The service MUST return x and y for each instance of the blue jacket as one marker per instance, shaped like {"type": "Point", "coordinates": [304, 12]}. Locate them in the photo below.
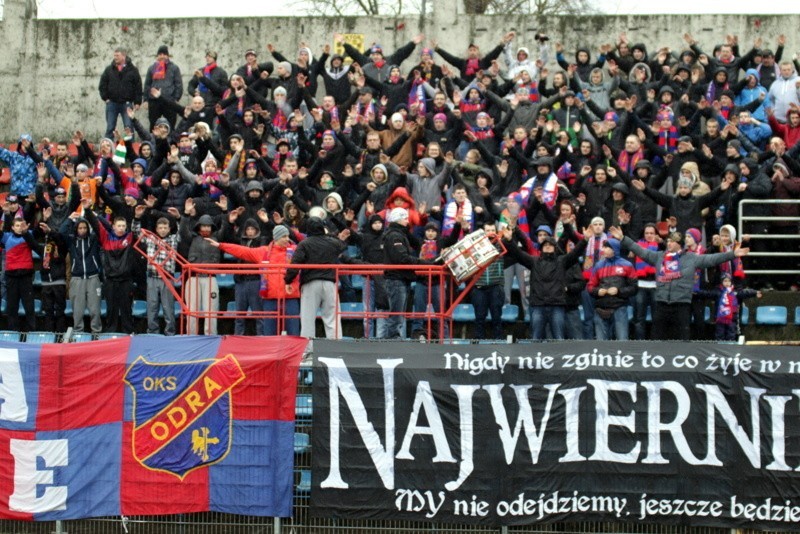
{"type": "Point", "coordinates": [23, 172]}
{"type": "Point", "coordinates": [84, 252]}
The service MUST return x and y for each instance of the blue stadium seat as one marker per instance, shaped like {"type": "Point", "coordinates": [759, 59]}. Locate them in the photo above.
{"type": "Point", "coordinates": [37, 308]}
{"type": "Point", "coordinates": [304, 486]}
{"type": "Point", "coordinates": [177, 311]}
{"type": "Point", "coordinates": [303, 408]}
{"type": "Point", "coordinates": [797, 316]}
{"type": "Point", "coordinates": [111, 335]}
{"type": "Point", "coordinates": [745, 315]}
{"type": "Point", "coordinates": [358, 281]}
{"type": "Point", "coordinates": [37, 279]}
{"type": "Point", "coordinates": [81, 337]}
{"type": "Point", "coordinates": [510, 313]}
{"type": "Point", "coordinates": [139, 309]}
{"type": "Point", "coordinates": [225, 281]}
{"type": "Point", "coordinates": [9, 335]}
{"type": "Point", "coordinates": [305, 376]}
{"type": "Point", "coordinates": [302, 443]}
{"type": "Point", "coordinates": [772, 315]}
{"type": "Point", "coordinates": [706, 314]}
{"type": "Point", "coordinates": [352, 308]}
{"type": "Point", "coordinates": [464, 313]}
{"type": "Point", "coordinates": [40, 337]}
{"type": "Point", "coordinates": [630, 313]}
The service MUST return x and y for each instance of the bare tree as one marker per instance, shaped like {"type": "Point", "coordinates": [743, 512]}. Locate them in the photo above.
{"type": "Point", "coordinates": [539, 8]}
{"type": "Point", "coordinates": [346, 8]}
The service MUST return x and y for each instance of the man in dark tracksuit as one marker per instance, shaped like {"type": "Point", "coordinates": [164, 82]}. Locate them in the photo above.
{"type": "Point", "coordinates": [116, 241]}
{"type": "Point", "coordinates": [84, 286]}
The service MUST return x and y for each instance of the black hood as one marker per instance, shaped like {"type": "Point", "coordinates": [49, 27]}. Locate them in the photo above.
{"type": "Point", "coordinates": [315, 226]}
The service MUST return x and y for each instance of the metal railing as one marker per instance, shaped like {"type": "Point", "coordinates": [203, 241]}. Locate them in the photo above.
{"type": "Point", "coordinates": [743, 219]}
{"type": "Point", "coordinates": [441, 289]}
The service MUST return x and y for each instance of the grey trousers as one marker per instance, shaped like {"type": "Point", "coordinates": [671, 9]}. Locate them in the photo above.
{"type": "Point", "coordinates": [159, 295]}
{"type": "Point", "coordinates": [85, 293]}
{"type": "Point", "coordinates": [314, 295]}
{"type": "Point", "coordinates": [202, 294]}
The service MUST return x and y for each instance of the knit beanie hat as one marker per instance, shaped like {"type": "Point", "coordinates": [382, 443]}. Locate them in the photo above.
{"type": "Point", "coordinates": [398, 214]}
{"type": "Point", "coordinates": [695, 233]}
{"type": "Point", "coordinates": [132, 192]}
{"type": "Point", "coordinates": [279, 232]}
{"type": "Point", "coordinates": [684, 182]}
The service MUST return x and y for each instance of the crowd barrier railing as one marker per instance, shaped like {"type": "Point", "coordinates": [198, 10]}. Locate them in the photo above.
{"type": "Point", "coordinates": [200, 301]}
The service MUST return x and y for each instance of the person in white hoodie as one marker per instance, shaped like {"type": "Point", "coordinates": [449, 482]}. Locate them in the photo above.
{"type": "Point", "coordinates": [785, 91]}
{"type": "Point", "coordinates": [522, 60]}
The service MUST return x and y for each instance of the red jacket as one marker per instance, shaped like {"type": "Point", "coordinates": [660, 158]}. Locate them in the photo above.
{"type": "Point", "coordinates": [272, 283]}
{"type": "Point", "coordinates": [789, 135]}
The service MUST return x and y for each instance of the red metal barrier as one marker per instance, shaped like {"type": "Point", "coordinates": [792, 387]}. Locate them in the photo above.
{"type": "Point", "coordinates": [438, 276]}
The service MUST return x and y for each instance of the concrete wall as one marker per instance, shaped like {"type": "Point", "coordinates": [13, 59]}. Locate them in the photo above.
{"type": "Point", "coordinates": [50, 69]}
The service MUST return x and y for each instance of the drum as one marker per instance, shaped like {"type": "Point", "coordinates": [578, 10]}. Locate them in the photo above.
{"type": "Point", "coordinates": [469, 255]}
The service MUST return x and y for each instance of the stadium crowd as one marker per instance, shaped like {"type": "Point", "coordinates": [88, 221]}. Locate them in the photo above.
{"type": "Point", "coordinates": [612, 178]}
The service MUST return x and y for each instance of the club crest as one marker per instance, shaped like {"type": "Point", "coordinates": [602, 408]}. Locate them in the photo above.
{"type": "Point", "coordinates": [182, 412]}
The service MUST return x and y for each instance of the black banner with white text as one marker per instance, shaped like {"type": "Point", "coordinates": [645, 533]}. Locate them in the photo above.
{"type": "Point", "coordinates": [672, 433]}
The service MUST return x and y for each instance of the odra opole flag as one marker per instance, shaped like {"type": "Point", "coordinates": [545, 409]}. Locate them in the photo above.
{"type": "Point", "coordinates": [146, 426]}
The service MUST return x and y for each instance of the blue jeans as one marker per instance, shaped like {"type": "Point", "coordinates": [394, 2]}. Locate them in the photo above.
{"type": "Point", "coordinates": [573, 329]}
{"type": "Point", "coordinates": [247, 298]}
{"type": "Point", "coordinates": [420, 326]}
{"type": "Point", "coordinates": [552, 315]}
{"type": "Point", "coordinates": [588, 315]}
{"type": "Point", "coordinates": [645, 298]}
{"type": "Point", "coordinates": [488, 300]}
{"type": "Point", "coordinates": [291, 324]}
{"type": "Point", "coordinates": [371, 329]}
{"type": "Point", "coordinates": [112, 110]}
{"type": "Point", "coordinates": [398, 296]}
{"type": "Point", "coordinates": [617, 325]}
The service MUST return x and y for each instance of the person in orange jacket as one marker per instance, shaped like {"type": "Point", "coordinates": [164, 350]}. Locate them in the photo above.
{"type": "Point", "coordinates": [273, 288]}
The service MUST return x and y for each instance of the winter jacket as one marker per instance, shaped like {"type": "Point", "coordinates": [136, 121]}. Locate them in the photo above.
{"type": "Point", "coordinates": [678, 290]}
{"type": "Point", "coordinates": [549, 274]}
{"type": "Point", "coordinates": [381, 72]}
{"type": "Point", "coordinates": [783, 92]}
{"type": "Point", "coordinates": [118, 254]}
{"type": "Point", "coordinates": [23, 171]}
{"type": "Point", "coordinates": [19, 252]}
{"type": "Point", "coordinates": [316, 249]}
{"type": "Point", "coordinates": [171, 85]}
{"type": "Point", "coordinates": [121, 85]}
{"type": "Point", "coordinates": [196, 85]}
{"type": "Point", "coordinates": [84, 252]}
{"type": "Point", "coordinates": [615, 272]}
{"type": "Point", "coordinates": [272, 279]}
{"type": "Point", "coordinates": [429, 189]}
{"type": "Point", "coordinates": [397, 251]}
{"type": "Point", "coordinates": [199, 250]}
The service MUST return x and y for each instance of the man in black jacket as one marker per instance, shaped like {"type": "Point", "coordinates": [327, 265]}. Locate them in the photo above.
{"type": "Point", "coordinates": [318, 286]}
{"type": "Point", "coordinates": [120, 88]}
{"type": "Point", "coordinates": [549, 280]}
{"type": "Point", "coordinates": [397, 251]}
